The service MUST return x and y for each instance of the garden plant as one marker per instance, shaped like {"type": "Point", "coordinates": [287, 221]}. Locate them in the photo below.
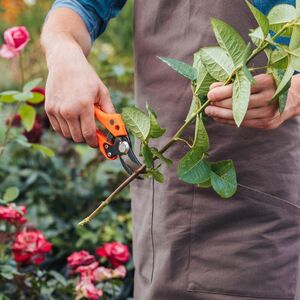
{"type": "Point", "coordinates": [43, 254]}
{"type": "Point", "coordinates": [231, 63]}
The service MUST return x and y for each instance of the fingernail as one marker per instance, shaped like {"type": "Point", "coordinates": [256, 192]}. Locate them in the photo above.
{"type": "Point", "coordinates": [208, 111]}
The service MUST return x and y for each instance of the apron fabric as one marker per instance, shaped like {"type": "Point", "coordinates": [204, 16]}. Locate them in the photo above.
{"type": "Point", "coordinates": [189, 244]}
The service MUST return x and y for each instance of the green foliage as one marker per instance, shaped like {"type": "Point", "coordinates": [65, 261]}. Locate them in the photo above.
{"type": "Point", "coordinates": [137, 122]}
{"type": "Point", "coordinates": [27, 114]}
{"type": "Point", "coordinates": [217, 63]}
{"type": "Point", "coordinates": [11, 194]}
{"type": "Point", "coordinates": [193, 168]}
{"type": "Point", "coordinates": [240, 96]}
{"type": "Point", "coordinates": [223, 178]}
{"type": "Point", "coordinates": [229, 40]}
{"type": "Point", "coordinates": [181, 67]}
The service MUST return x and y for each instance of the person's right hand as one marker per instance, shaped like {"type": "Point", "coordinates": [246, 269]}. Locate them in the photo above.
{"type": "Point", "coordinates": [72, 89]}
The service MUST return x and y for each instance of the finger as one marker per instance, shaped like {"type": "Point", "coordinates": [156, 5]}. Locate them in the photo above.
{"type": "Point", "coordinates": [215, 84]}
{"type": "Point", "coordinates": [263, 82]}
{"type": "Point", "coordinates": [256, 101]}
{"type": "Point", "coordinates": [75, 130]}
{"type": "Point", "coordinates": [64, 127]}
{"type": "Point", "coordinates": [220, 93]}
{"type": "Point", "coordinates": [54, 123]}
{"type": "Point", "coordinates": [88, 127]}
{"type": "Point", "coordinates": [104, 100]}
{"type": "Point", "coordinates": [219, 112]}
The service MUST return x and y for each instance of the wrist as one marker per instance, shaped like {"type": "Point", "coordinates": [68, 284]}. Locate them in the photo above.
{"type": "Point", "coordinates": [60, 48]}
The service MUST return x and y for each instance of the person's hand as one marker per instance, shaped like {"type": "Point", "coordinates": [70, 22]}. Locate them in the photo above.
{"type": "Point", "coordinates": [72, 89]}
{"type": "Point", "coordinates": [260, 113]}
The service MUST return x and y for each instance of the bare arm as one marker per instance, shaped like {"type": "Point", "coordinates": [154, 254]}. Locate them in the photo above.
{"type": "Point", "coordinates": [72, 85]}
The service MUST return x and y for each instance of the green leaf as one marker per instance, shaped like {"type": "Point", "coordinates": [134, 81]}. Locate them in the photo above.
{"type": "Point", "coordinates": [8, 96]}
{"type": "Point", "coordinates": [244, 67]}
{"type": "Point", "coordinates": [37, 98]}
{"type": "Point", "coordinates": [282, 13]}
{"type": "Point", "coordinates": [160, 156]}
{"type": "Point", "coordinates": [261, 19]}
{"type": "Point", "coordinates": [181, 67]}
{"type": "Point", "coordinates": [27, 114]}
{"type": "Point", "coordinates": [223, 178]}
{"type": "Point", "coordinates": [204, 79]}
{"type": "Point", "coordinates": [195, 106]}
{"type": "Point", "coordinates": [257, 36]}
{"type": "Point", "coordinates": [205, 185]}
{"type": "Point", "coordinates": [282, 97]}
{"type": "Point", "coordinates": [217, 63]}
{"type": "Point", "coordinates": [60, 278]}
{"type": "Point", "coordinates": [193, 168]}
{"type": "Point", "coordinates": [285, 80]}
{"type": "Point", "coordinates": [201, 139]}
{"type": "Point", "coordinates": [157, 175]}
{"type": "Point", "coordinates": [11, 194]}
{"type": "Point", "coordinates": [279, 59]}
{"type": "Point", "coordinates": [43, 149]}
{"type": "Point", "coordinates": [229, 39]}
{"type": "Point", "coordinates": [155, 130]}
{"type": "Point", "coordinates": [137, 122]}
{"type": "Point", "coordinates": [23, 97]}
{"type": "Point", "coordinates": [32, 84]}
{"type": "Point", "coordinates": [240, 97]}
{"type": "Point", "coordinates": [148, 155]}
{"type": "Point", "coordinates": [295, 38]}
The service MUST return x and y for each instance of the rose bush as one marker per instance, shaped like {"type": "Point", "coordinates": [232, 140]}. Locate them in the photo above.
{"type": "Point", "coordinates": [57, 190]}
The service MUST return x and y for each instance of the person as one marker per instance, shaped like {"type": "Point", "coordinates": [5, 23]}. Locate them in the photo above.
{"type": "Point", "coordinates": [188, 244]}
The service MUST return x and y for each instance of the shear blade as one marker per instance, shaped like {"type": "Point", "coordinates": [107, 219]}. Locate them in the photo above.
{"type": "Point", "coordinates": [130, 163]}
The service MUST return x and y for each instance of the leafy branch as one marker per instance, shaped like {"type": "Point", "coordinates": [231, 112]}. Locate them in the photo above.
{"type": "Point", "coordinates": [228, 63]}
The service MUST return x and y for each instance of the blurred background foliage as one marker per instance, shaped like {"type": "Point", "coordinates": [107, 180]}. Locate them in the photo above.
{"type": "Point", "coordinates": [60, 191]}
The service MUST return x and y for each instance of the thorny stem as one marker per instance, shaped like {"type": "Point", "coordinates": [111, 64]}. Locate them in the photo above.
{"type": "Point", "coordinates": [14, 111]}
{"type": "Point", "coordinates": [142, 168]}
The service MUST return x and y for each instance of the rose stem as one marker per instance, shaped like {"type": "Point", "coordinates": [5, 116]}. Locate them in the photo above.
{"type": "Point", "coordinates": [142, 168]}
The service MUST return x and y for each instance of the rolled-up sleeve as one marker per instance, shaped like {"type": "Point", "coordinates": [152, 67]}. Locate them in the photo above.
{"type": "Point", "coordinates": [94, 13]}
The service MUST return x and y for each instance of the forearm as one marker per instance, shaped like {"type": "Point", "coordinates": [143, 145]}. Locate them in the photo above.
{"type": "Point", "coordinates": [64, 30]}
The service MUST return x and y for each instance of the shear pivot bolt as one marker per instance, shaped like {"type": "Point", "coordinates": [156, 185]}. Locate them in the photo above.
{"type": "Point", "coordinates": [106, 146]}
{"type": "Point", "coordinates": [109, 154]}
{"type": "Point", "coordinates": [124, 147]}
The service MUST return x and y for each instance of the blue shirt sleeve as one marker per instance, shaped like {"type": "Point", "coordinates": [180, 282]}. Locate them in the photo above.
{"type": "Point", "coordinates": [94, 13]}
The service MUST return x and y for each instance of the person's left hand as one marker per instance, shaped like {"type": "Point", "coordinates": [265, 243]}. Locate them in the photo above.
{"type": "Point", "coordinates": [260, 113]}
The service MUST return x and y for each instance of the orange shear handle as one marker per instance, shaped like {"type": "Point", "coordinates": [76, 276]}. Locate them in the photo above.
{"type": "Point", "coordinates": [114, 124]}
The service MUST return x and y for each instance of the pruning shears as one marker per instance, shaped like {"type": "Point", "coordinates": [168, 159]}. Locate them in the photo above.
{"type": "Point", "coordinates": [116, 142]}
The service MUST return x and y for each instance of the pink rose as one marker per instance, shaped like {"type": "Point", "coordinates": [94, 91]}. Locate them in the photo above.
{"type": "Point", "coordinates": [16, 37]}
{"type": "Point", "coordinates": [119, 272]}
{"type": "Point", "coordinates": [8, 52]}
{"type": "Point", "coordinates": [86, 289]}
{"type": "Point", "coordinates": [13, 214]}
{"type": "Point", "coordinates": [87, 271]}
{"type": "Point", "coordinates": [102, 274]}
{"type": "Point", "coordinates": [117, 253]}
{"type": "Point", "coordinates": [30, 247]}
{"type": "Point", "coordinates": [80, 258]}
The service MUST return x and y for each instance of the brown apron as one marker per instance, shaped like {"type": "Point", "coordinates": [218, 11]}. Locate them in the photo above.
{"type": "Point", "coordinates": [189, 243]}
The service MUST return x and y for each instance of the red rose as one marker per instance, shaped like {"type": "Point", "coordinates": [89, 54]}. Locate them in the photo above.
{"type": "Point", "coordinates": [80, 258]}
{"type": "Point", "coordinates": [13, 214]}
{"type": "Point", "coordinates": [30, 247]}
{"type": "Point", "coordinates": [117, 253]}
{"type": "Point", "coordinates": [85, 289]}
{"type": "Point", "coordinates": [39, 90]}
{"type": "Point", "coordinates": [16, 37]}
